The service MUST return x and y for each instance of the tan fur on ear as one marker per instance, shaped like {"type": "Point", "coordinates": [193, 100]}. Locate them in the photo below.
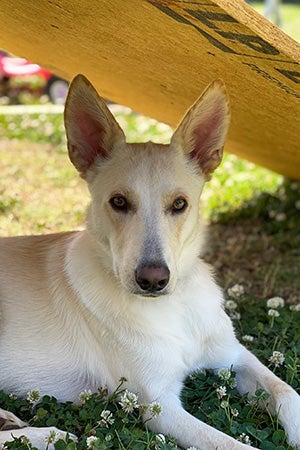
{"type": "Point", "coordinates": [203, 129]}
{"type": "Point", "coordinates": [91, 129]}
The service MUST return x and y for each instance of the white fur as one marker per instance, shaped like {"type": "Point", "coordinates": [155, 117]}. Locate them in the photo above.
{"type": "Point", "coordinates": [73, 315]}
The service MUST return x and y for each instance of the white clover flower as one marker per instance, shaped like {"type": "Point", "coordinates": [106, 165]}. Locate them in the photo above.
{"type": "Point", "coordinates": [128, 401]}
{"type": "Point", "coordinates": [232, 383]}
{"type": "Point", "coordinates": [295, 307]}
{"type": "Point", "coordinates": [282, 194]}
{"type": "Point", "coordinates": [53, 437]}
{"type": "Point", "coordinates": [221, 392]}
{"type": "Point", "coordinates": [244, 438]}
{"type": "Point", "coordinates": [273, 313]}
{"type": "Point", "coordinates": [224, 374]}
{"type": "Point", "coordinates": [85, 395]}
{"type": "Point", "coordinates": [235, 315]}
{"type": "Point", "coordinates": [295, 185]}
{"type": "Point", "coordinates": [236, 291]}
{"type": "Point", "coordinates": [224, 404]}
{"type": "Point", "coordinates": [160, 438]}
{"type": "Point", "coordinates": [275, 302]}
{"type": "Point", "coordinates": [248, 338]}
{"type": "Point", "coordinates": [13, 396]}
{"type": "Point", "coordinates": [280, 217]}
{"type": "Point", "coordinates": [277, 358]}
{"type": "Point", "coordinates": [91, 441]}
{"type": "Point", "coordinates": [33, 396]}
{"type": "Point", "coordinates": [252, 401]}
{"type": "Point", "coordinates": [234, 412]}
{"type": "Point", "coordinates": [231, 305]}
{"type": "Point", "coordinates": [107, 418]}
{"type": "Point", "coordinates": [155, 409]}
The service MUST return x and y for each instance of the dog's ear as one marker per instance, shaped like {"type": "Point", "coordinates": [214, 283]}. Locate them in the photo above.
{"type": "Point", "coordinates": [91, 129]}
{"type": "Point", "coordinates": [202, 131]}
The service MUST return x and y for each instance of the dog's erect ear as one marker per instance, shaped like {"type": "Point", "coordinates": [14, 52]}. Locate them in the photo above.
{"type": "Point", "coordinates": [202, 131]}
{"type": "Point", "coordinates": [91, 128]}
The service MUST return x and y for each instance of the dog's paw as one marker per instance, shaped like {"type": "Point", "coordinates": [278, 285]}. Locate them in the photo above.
{"type": "Point", "coordinates": [41, 438]}
{"type": "Point", "coordinates": [294, 436]}
{"type": "Point", "coordinates": [289, 416]}
{"type": "Point", "coordinates": [8, 421]}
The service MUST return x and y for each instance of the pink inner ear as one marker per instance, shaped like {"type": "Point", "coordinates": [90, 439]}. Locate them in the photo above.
{"type": "Point", "coordinates": [92, 136]}
{"type": "Point", "coordinates": [206, 136]}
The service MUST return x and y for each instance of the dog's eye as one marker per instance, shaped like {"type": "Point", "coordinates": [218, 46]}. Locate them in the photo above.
{"type": "Point", "coordinates": [179, 205]}
{"type": "Point", "coordinates": [119, 203]}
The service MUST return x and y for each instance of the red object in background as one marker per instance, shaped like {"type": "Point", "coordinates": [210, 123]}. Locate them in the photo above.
{"type": "Point", "coordinates": [12, 67]}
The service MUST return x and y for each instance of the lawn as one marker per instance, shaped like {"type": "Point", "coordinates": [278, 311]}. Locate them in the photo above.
{"type": "Point", "coordinates": [290, 13]}
{"type": "Point", "coordinates": [253, 217]}
{"type": "Point", "coordinates": [253, 241]}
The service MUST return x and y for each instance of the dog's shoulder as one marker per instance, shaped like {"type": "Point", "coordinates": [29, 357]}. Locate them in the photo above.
{"type": "Point", "coordinates": [25, 245]}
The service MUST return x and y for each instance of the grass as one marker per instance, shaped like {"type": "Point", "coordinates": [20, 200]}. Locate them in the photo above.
{"type": "Point", "coordinates": [254, 223]}
{"type": "Point", "coordinates": [290, 13]}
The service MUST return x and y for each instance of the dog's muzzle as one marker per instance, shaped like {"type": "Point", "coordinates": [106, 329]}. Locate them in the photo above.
{"type": "Point", "coordinates": [152, 279]}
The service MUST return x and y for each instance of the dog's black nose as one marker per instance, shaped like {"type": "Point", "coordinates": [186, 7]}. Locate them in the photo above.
{"type": "Point", "coordinates": [152, 278]}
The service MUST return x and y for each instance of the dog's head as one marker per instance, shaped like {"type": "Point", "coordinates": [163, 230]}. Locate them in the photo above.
{"type": "Point", "coordinates": [144, 215]}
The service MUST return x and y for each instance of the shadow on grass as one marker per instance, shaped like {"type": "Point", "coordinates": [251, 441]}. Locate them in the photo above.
{"type": "Point", "coordinates": [258, 245]}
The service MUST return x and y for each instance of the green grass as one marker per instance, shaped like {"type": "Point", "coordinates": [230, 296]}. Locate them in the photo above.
{"type": "Point", "coordinates": [254, 228]}
{"type": "Point", "coordinates": [290, 18]}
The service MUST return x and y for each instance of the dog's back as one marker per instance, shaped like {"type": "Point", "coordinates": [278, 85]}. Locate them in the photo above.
{"type": "Point", "coordinates": [26, 265]}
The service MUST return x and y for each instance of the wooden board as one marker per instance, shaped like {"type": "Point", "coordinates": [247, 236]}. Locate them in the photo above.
{"type": "Point", "coordinates": [156, 56]}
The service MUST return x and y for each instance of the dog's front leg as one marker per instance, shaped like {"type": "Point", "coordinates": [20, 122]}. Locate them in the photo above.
{"type": "Point", "coordinates": [41, 438]}
{"type": "Point", "coordinates": [189, 431]}
{"type": "Point", "coordinates": [252, 374]}
{"type": "Point", "coordinates": [12, 427]}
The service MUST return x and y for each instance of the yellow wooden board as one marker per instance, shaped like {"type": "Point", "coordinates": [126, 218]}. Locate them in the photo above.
{"type": "Point", "coordinates": [156, 56]}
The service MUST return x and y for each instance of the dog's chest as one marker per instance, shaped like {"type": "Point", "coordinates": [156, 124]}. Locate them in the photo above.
{"type": "Point", "coordinates": [163, 345]}
{"type": "Point", "coordinates": [156, 346]}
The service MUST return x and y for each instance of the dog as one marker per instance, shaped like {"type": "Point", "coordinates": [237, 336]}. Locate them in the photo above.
{"type": "Point", "coordinates": [129, 296]}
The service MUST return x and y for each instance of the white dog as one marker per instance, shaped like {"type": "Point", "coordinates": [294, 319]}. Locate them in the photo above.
{"type": "Point", "coordinates": [129, 297]}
